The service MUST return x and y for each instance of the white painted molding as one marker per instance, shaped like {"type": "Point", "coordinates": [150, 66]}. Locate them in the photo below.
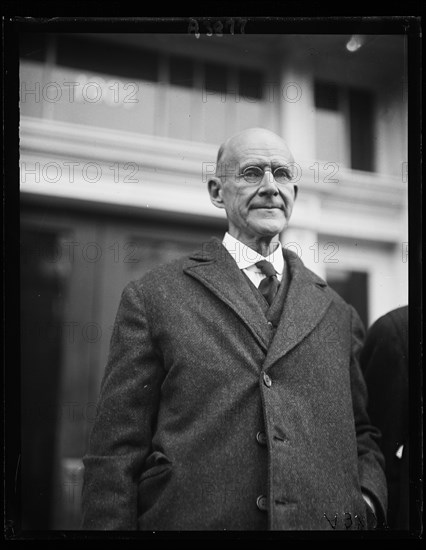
{"type": "Point", "coordinates": [170, 175]}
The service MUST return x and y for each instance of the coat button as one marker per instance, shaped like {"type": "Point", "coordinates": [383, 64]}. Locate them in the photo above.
{"type": "Point", "coordinates": [261, 503]}
{"type": "Point", "coordinates": [270, 325]}
{"type": "Point", "coordinates": [261, 438]}
{"type": "Point", "coordinates": [267, 380]}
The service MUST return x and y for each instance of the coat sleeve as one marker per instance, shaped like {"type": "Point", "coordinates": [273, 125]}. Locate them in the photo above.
{"type": "Point", "coordinates": [370, 458]}
{"type": "Point", "coordinates": [127, 407]}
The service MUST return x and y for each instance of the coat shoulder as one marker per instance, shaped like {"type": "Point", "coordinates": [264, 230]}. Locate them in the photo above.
{"type": "Point", "coordinates": [337, 299]}
{"type": "Point", "coordinates": [165, 273]}
{"type": "Point", "coordinates": [394, 321]}
{"type": "Point", "coordinates": [390, 330]}
{"type": "Point", "coordinates": [172, 272]}
{"type": "Point", "coordinates": [310, 275]}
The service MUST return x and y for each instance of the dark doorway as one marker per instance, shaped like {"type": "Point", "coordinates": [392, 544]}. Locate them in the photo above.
{"type": "Point", "coordinates": [42, 290]}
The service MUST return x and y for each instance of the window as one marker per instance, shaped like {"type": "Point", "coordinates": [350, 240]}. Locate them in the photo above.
{"type": "Point", "coordinates": [91, 81]}
{"type": "Point", "coordinates": [215, 77]}
{"type": "Point", "coordinates": [99, 57]}
{"type": "Point", "coordinates": [250, 84]}
{"type": "Point", "coordinates": [361, 129]}
{"type": "Point", "coordinates": [326, 96]}
{"type": "Point", "coordinates": [352, 286]}
{"type": "Point", "coordinates": [344, 125]}
{"type": "Point", "coordinates": [181, 71]}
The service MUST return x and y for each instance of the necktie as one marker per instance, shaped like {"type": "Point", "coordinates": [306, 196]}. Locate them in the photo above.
{"type": "Point", "coordinates": [268, 286]}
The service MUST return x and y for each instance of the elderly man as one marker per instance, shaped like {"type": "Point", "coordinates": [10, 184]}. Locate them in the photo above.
{"type": "Point", "coordinates": [232, 397]}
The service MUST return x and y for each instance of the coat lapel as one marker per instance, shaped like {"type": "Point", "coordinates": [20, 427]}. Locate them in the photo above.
{"type": "Point", "coordinates": [305, 304]}
{"type": "Point", "coordinates": [304, 307]}
{"type": "Point", "coordinates": [215, 268]}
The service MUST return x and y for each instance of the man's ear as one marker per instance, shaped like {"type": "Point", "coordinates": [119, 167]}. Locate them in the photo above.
{"type": "Point", "coordinates": [215, 191]}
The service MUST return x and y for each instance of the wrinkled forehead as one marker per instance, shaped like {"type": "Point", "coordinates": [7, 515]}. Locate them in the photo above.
{"type": "Point", "coordinates": [261, 148]}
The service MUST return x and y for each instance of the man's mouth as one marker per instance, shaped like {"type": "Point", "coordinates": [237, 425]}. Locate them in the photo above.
{"type": "Point", "coordinates": [268, 207]}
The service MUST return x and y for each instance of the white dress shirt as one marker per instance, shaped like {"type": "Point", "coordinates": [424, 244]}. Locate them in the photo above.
{"type": "Point", "coordinates": [246, 259]}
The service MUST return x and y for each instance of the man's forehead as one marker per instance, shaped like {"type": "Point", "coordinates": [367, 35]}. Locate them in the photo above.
{"type": "Point", "coordinates": [256, 144]}
{"type": "Point", "coordinates": [264, 151]}
{"type": "Point", "coordinates": [248, 152]}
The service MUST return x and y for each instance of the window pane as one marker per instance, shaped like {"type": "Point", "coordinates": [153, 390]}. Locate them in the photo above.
{"type": "Point", "coordinates": [99, 57]}
{"type": "Point", "coordinates": [215, 77]}
{"type": "Point", "coordinates": [179, 112]}
{"type": "Point", "coordinates": [120, 104]}
{"type": "Point", "coordinates": [326, 96]}
{"type": "Point", "coordinates": [213, 115]}
{"type": "Point", "coordinates": [250, 84]}
{"type": "Point", "coordinates": [361, 123]}
{"type": "Point", "coordinates": [249, 114]}
{"type": "Point", "coordinates": [330, 137]}
{"type": "Point", "coordinates": [181, 71]}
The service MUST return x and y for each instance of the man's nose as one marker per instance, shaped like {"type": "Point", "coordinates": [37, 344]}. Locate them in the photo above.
{"type": "Point", "coordinates": [268, 185]}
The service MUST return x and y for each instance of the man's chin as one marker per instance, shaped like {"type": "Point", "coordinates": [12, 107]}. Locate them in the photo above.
{"type": "Point", "coordinates": [269, 229]}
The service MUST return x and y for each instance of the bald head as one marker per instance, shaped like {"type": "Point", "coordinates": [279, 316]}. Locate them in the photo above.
{"type": "Point", "coordinates": [250, 142]}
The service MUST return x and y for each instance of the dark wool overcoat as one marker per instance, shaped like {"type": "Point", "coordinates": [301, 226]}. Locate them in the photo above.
{"type": "Point", "coordinates": [216, 413]}
{"type": "Point", "coordinates": [384, 362]}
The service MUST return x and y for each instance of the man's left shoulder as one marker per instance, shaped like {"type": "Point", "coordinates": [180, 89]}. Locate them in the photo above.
{"type": "Point", "coordinates": [316, 279]}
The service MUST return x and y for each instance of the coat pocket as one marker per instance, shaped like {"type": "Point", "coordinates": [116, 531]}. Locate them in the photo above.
{"type": "Point", "coordinates": [153, 482]}
{"type": "Point", "coordinates": [155, 464]}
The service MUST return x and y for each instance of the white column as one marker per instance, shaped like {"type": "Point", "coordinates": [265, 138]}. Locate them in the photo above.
{"type": "Point", "coordinates": [297, 110]}
{"type": "Point", "coordinates": [297, 126]}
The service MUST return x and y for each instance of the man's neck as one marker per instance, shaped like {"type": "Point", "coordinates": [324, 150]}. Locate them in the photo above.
{"type": "Point", "coordinates": [264, 246]}
{"type": "Point", "coordinates": [267, 248]}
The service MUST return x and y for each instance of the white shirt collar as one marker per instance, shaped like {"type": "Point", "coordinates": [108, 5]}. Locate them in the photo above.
{"type": "Point", "coordinates": [247, 257]}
